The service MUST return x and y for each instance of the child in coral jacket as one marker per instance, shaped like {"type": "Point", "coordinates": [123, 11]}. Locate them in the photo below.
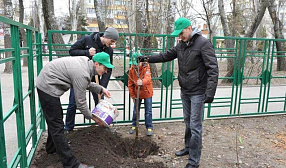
{"type": "Point", "coordinates": [146, 91]}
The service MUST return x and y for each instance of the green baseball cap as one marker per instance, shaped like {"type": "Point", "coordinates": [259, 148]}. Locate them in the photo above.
{"type": "Point", "coordinates": [180, 25]}
{"type": "Point", "coordinates": [103, 58]}
{"type": "Point", "coordinates": [133, 59]}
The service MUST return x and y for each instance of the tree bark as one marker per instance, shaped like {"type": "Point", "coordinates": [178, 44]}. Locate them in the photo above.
{"type": "Point", "coordinates": [257, 19]}
{"type": "Point", "coordinates": [100, 22]}
{"type": "Point", "coordinates": [8, 10]}
{"type": "Point", "coordinates": [41, 20]}
{"type": "Point", "coordinates": [73, 17]}
{"type": "Point", "coordinates": [278, 28]}
{"type": "Point", "coordinates": [228, 43]}
{"type": "Point", "coordinates": [142, 26]}
{"type": "Point", "coordinates": [23, 41]}
{"type": "Point", "coordinates": [51, 24]}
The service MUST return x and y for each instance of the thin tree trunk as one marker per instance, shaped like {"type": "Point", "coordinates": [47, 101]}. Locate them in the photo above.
{"type": "Point", "coordinates": [8, 10]}
{"type": "Point", "coordinates": [278, 28]}
{"type": "Point", "coordinates": [51, 24]}
{"type": "Point", "coordinates": [41, 20]}
{"type": "Point", "coordinates": [257, 20]}
{"type": "Point", "coordinates": [73, 18]}
{"type": "Point", "coordinates": [228, 43]}
{"type": "Point", "coordinates": [208, 19]}
{"type": "Point", "coordinates": [23, 41]}
{"type": "Point", "coordinates": [100, 22]}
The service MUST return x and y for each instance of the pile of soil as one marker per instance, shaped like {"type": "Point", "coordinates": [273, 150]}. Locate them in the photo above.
{"type": "Point", "coordinates": [253, 142]}
{"type": "Point", "coordinates": [102, 147]}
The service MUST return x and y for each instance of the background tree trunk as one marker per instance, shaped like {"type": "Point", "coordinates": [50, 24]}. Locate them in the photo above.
{"type": "Point", "coordinates": [142, 26]}
{"type": "Point", "coordinates": [23, 41]}
{"type": "Point", "coordinates": [73, 18]}
{"type": "Point", "coordinates": [8, 10]}
{"type": "Point", "coordinates": [51, 24]}
{"type": "Point", "coordinates": [228, 43]}
{"type": "Point", "coordinates": [41, 25]}
{"type": "Point", "coordinates": [100, 21]}
{"type": "Point", "coordinates": [278, 28]}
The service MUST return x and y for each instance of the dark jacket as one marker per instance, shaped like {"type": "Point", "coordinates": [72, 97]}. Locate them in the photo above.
{"type": "Point", "coordinates": [82, 46]}
{"type": "Point", "coordinates": [198, 68]}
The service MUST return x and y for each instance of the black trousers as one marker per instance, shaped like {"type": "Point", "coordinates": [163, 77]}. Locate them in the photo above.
{"type": "Point", "coordinates": [56, 141]}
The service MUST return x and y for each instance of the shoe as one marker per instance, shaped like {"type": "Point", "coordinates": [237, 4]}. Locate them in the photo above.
{"type": "Point", "coordinates": [84, 166]}
{"type": "Point", "coordinates": [191, 166]}
{"type": "Point", "coordinates": [149, 132]}
{"type": "Point", "coordinates": [66, 132]}
{"type": "Point", "coordinates": [132, 130]}
{"type": "Point", "coordinates": [182, 152]}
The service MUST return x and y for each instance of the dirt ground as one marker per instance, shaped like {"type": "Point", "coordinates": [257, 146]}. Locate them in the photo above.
{"type": "Point", "coordinates": [256, 142]}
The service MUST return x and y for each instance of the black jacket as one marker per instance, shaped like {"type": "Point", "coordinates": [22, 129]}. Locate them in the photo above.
{"type": "Point", "coordinates": [198, 68]}
{"type": "Point", "coordinates": [82, 46]}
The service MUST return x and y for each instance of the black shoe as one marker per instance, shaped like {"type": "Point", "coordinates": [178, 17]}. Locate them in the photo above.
{"type": "Point", "coordinates": [52, 151]}
{"type": "Point", "coordinates": [191, 166]}
{"type": "Point", "coordinates": [182, 152]}
{"type": "Point", "coordinates": [85, 166]}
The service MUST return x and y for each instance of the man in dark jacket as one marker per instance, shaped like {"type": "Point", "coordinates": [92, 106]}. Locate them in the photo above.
{"type": "Point", "coordinates": [198, 77]}
{"type": "Point", "coordinates": [88, 46]}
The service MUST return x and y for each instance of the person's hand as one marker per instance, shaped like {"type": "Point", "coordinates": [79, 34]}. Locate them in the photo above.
{"type": "Point", "coordinates": [133, 100]}
{"type": "Point", "coordinates": [106, 93]}
{"type": "Point", "coordinates": [92, 51]}
{"type": "Point", "coordinates": [142, 59]}
{"type": "Point", "coordinates": [98, 121]}
{"type": "Point", "coordinates": [209, 99]}
{"type": "Point", "coordinates": [139, 82]}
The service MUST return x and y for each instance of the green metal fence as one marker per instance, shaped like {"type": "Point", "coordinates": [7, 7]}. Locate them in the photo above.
{"type": "Point", "coordinates": [254, 87]}
{"type": "Point", "coordinates": [254, 63]}
{"type": "Point", "coordinates": [27, 132]}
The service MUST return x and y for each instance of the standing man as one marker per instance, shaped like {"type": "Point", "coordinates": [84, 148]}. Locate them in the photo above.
{"type": "Point", "coordinates": [57, 77]}
{"type": "Point", "coordinates": [88, 46]}
{"type": "Point", "coordinates": [198, 77]}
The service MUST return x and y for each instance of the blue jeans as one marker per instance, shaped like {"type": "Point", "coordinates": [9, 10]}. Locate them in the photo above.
{"type": "Point", "coordinates": [71, 110]}
{"type": "Point", "coordinates": [148, 112]}
{"type": "Point", "coordinates": [193, 108]}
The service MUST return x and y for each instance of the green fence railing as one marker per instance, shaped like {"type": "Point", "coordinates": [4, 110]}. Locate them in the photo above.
{"type": "Point", "coordinates": [23, 102]}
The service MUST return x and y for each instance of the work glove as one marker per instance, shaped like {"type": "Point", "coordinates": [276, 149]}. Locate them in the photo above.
{"type": "Point", "coordinates": [208, 99]}
{"type": "Point", "coordinates": [142, 59]}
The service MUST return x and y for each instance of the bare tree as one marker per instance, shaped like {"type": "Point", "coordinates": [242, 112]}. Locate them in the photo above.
{"type": "Point", "coordinates": [100, 21]}
{"type": "Point", "coordinates": [73, 19]}
{"type": "Point", "coordinates": [51, 24]}
{"type": "Point", "coordinates": [23, 41]}
{"type": "Point", "coordinates": [230, 43]}
{"type": "Point", "coordinates": [142, 19]}
{"type": "Point", "coordinates": [278, 29]}
{"type": "Point", "coordinates": [41, 19]}
{"type": "Point", "coordinates": [226, 32]}
{"type": "Point", "coordinates": [8, 11]}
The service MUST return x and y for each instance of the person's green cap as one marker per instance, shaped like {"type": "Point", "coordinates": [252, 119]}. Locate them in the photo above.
{"type": "Point", "coordinates": [133, 60]}
{"type": "Point", "coordinates": [180, 25]}
{"type": "Point", "coordinates": [103, 58]}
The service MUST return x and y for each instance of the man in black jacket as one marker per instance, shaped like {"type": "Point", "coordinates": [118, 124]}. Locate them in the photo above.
{"type": "Point", "coordinates": [88, 46]}
{"type": "Point", "coordinates": [198, 77]}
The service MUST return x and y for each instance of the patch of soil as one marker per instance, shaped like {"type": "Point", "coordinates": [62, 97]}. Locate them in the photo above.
{"type": "Point", "coordinates": [254, 142]}
{"type": "Point", "coordinates": [102, 147]}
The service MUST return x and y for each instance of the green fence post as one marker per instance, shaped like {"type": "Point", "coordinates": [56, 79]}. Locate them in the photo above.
{"type": "Point", "coordinates": [32, 94]}
{"type": "Point", "coordinates": [50, 41]}
{"type": "Point", "coordinates": [39, 67]}
{"type": "Point", "coordinates": [18, 94]}
{"type": "Point", "coordinates": [3, 162]}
